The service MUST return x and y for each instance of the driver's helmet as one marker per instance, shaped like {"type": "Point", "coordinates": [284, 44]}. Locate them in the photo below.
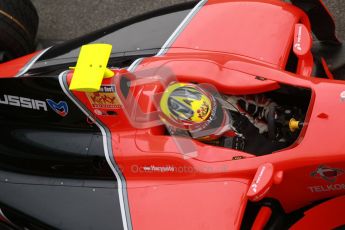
{"type": "Point", "coordinates": [188, 107]}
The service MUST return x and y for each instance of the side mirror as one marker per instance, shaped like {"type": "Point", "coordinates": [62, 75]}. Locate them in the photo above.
{"type": "Point", "coordinates": [302, 40]}
{"type": "Point", "coordinates": [264, 178]}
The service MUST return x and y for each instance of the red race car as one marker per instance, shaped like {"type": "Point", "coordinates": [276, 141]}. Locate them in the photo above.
{"type": "Point", "coordinates": [218, 114]}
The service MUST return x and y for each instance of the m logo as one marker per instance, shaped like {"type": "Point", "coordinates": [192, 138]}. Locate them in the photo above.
{"type": "Point", "coordinates": [60, 108]}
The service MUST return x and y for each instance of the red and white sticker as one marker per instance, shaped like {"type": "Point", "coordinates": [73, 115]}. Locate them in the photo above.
{"type": "Point", "coordinates": [302, 40]}
{"type": "Point", "coordinates": [105, 98]}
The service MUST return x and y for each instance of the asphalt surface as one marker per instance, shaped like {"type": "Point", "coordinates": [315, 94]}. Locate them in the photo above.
{"type": "Point", "coordinates": [337, 8]}
{"type": "Point", "coordinates": [66, 19]}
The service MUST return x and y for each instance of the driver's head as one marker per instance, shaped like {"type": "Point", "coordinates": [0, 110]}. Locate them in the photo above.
{"type": "Point", "coordinates": [188, 106]}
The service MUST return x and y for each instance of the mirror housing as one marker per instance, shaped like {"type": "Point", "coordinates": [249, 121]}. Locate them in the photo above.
{"type": "Point", "coordinates": [302, 40]}
{"type": "Point", "coordinates": [264, 178]}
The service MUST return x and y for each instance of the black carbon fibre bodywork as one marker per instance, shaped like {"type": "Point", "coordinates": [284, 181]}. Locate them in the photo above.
{"type": "Point", "coordinates": [45, 142]}
{"type": "Point", "coordinates": [53, 167]}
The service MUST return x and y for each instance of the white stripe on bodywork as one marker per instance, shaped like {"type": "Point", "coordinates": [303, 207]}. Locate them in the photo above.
{"type": "Point", "coordinates": [28, 65]}
{"type": "Point", "coordinates": [126, 223]}
{"type": "Point", "coordinates": [6, 219]}
{"type": "Point", "coordinates": [134, 65]}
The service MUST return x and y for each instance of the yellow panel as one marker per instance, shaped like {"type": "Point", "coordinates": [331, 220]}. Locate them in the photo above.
{"type": "Point", "coordinates": [91, 67]}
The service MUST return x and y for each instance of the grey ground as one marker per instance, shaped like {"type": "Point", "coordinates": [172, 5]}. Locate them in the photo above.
{"type": "Point", "coordinates": [65, 19]}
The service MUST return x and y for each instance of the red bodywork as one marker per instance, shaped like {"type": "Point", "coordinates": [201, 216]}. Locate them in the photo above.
{"type": "Point", "coordinates": [14, 67]}
{"type": "Point", "coordinates": [229, 43]}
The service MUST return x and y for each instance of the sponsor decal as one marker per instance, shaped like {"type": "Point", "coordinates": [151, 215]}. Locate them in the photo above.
{"type": "Point", "coordinates": [105, 98]}
{"type": "Point", "coordinates": [161, 169]}
{"type": "Point", "coordinates": [238, 158]}
{"type": "Point", "coordinates": [60, 108]}
{"type": "Point", "coordinates": [203, 110]}
{"type": "Point", "coordinates": [103, 112]}
{"type": "Point", "coordinates": [326, 188]}
{"type": "Point", "coordinates": [327, 173]}
{"type": "Point", "coordinates": [254, 186]}
{"type": "Point", "coordinates": [23, 102]}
